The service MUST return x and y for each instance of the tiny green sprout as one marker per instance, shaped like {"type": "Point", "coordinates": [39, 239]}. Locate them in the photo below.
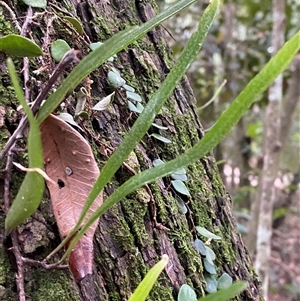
{"type": "Point", "coordinates": [211, 283]}
{"type": "Point", "coordinates": [135, 108]}
{"type": "Point", "coordinates": [179, 174]}
{"type": "Point", "coordinates": [186, 293]}
{"type": "Point", "coordinates": [115, 70]}
{"type": "Point", "coordinates": [180, 187]}
{"type": "Point", "coordinates": [200, 247]}
{"type": "Point", "coordinates": [204, 232]}
{"type": "Point", "coordinates": [181, 205]}
{"type": "Point", "coordinates": [157, 162]}
{"type": "Point", "coordinates": [210, 254]}
{"type": "Point", "coordinates": [140, 107]}
{"type": "Point", "coordinates": [59, 49]}
{"type": "Point", "coordinates": [160, 126]}
{"type": "Point", "coordinates": [180, 177]}
{"type": "Point", "coordinates": [127, 87]}
{"type": "Point", "coordinates": [94, 46]}
{"type": "Point", "coordinates": [160, 138]}
{"type": "Point", "coordinates": [115, 79]}
{"type": "Point", "coordinates": [180, 171]}
{"type": "Point", "coordinates": [133, 96]}
{"type": "Point", "coordinates": [209, 267]}
{"type": "Point", "coordinates": [224, 281]}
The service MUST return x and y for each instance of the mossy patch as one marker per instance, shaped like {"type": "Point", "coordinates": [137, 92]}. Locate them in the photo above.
{"type": "Point", "coordinates": [7, 275]}
{"type": "Point", "coordinates": [6, 27]}
{"type": "Point", "coordinates": [51, 285]}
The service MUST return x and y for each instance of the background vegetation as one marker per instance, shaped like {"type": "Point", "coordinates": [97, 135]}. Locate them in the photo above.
{"type": "Point", "coordinates": [239, 44]}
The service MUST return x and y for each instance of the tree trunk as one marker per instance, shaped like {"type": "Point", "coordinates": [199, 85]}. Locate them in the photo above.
{"type": "Point", "coordinates": [128, 240]}
{"type": "Point", "coordinates": [266, 195]}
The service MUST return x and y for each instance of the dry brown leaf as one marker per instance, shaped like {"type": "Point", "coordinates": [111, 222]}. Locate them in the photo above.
{"type": "Point", "coordinates": [69, 161]}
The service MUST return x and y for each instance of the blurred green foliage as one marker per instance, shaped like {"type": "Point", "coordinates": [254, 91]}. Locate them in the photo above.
{"type": "Point", "coordinates": [237, 47]}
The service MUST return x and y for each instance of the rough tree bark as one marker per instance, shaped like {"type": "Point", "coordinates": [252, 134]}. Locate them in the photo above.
{"type": "Point", "coordinates": [127, 241]}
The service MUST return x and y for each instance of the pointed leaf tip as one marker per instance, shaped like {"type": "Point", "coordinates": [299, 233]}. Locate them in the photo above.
{"type": "Point", "coordinates": [16, 45]}
{"type": "Point", "coordinates": [76, 24]}
{"type": "Point", "coordinates": [143, 289]}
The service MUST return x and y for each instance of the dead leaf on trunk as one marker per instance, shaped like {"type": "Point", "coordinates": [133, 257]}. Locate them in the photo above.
{"type": "Point", "coordinates": [69, 161]}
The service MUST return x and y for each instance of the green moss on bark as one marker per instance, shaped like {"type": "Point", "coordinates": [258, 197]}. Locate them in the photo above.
{"type": "Point", "coordinates": [7, 281]}
{"type": "Point", "coordinates": [51, 285]}
{"type": "Point", "coordinates": [6, 27]}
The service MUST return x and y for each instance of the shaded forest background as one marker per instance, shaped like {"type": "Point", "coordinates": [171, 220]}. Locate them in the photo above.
{"type": "Point", "coordinates": [239, 45]}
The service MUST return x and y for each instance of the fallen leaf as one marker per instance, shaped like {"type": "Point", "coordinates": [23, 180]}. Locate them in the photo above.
{"type": "Point", "coordinates": [69, 161]}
